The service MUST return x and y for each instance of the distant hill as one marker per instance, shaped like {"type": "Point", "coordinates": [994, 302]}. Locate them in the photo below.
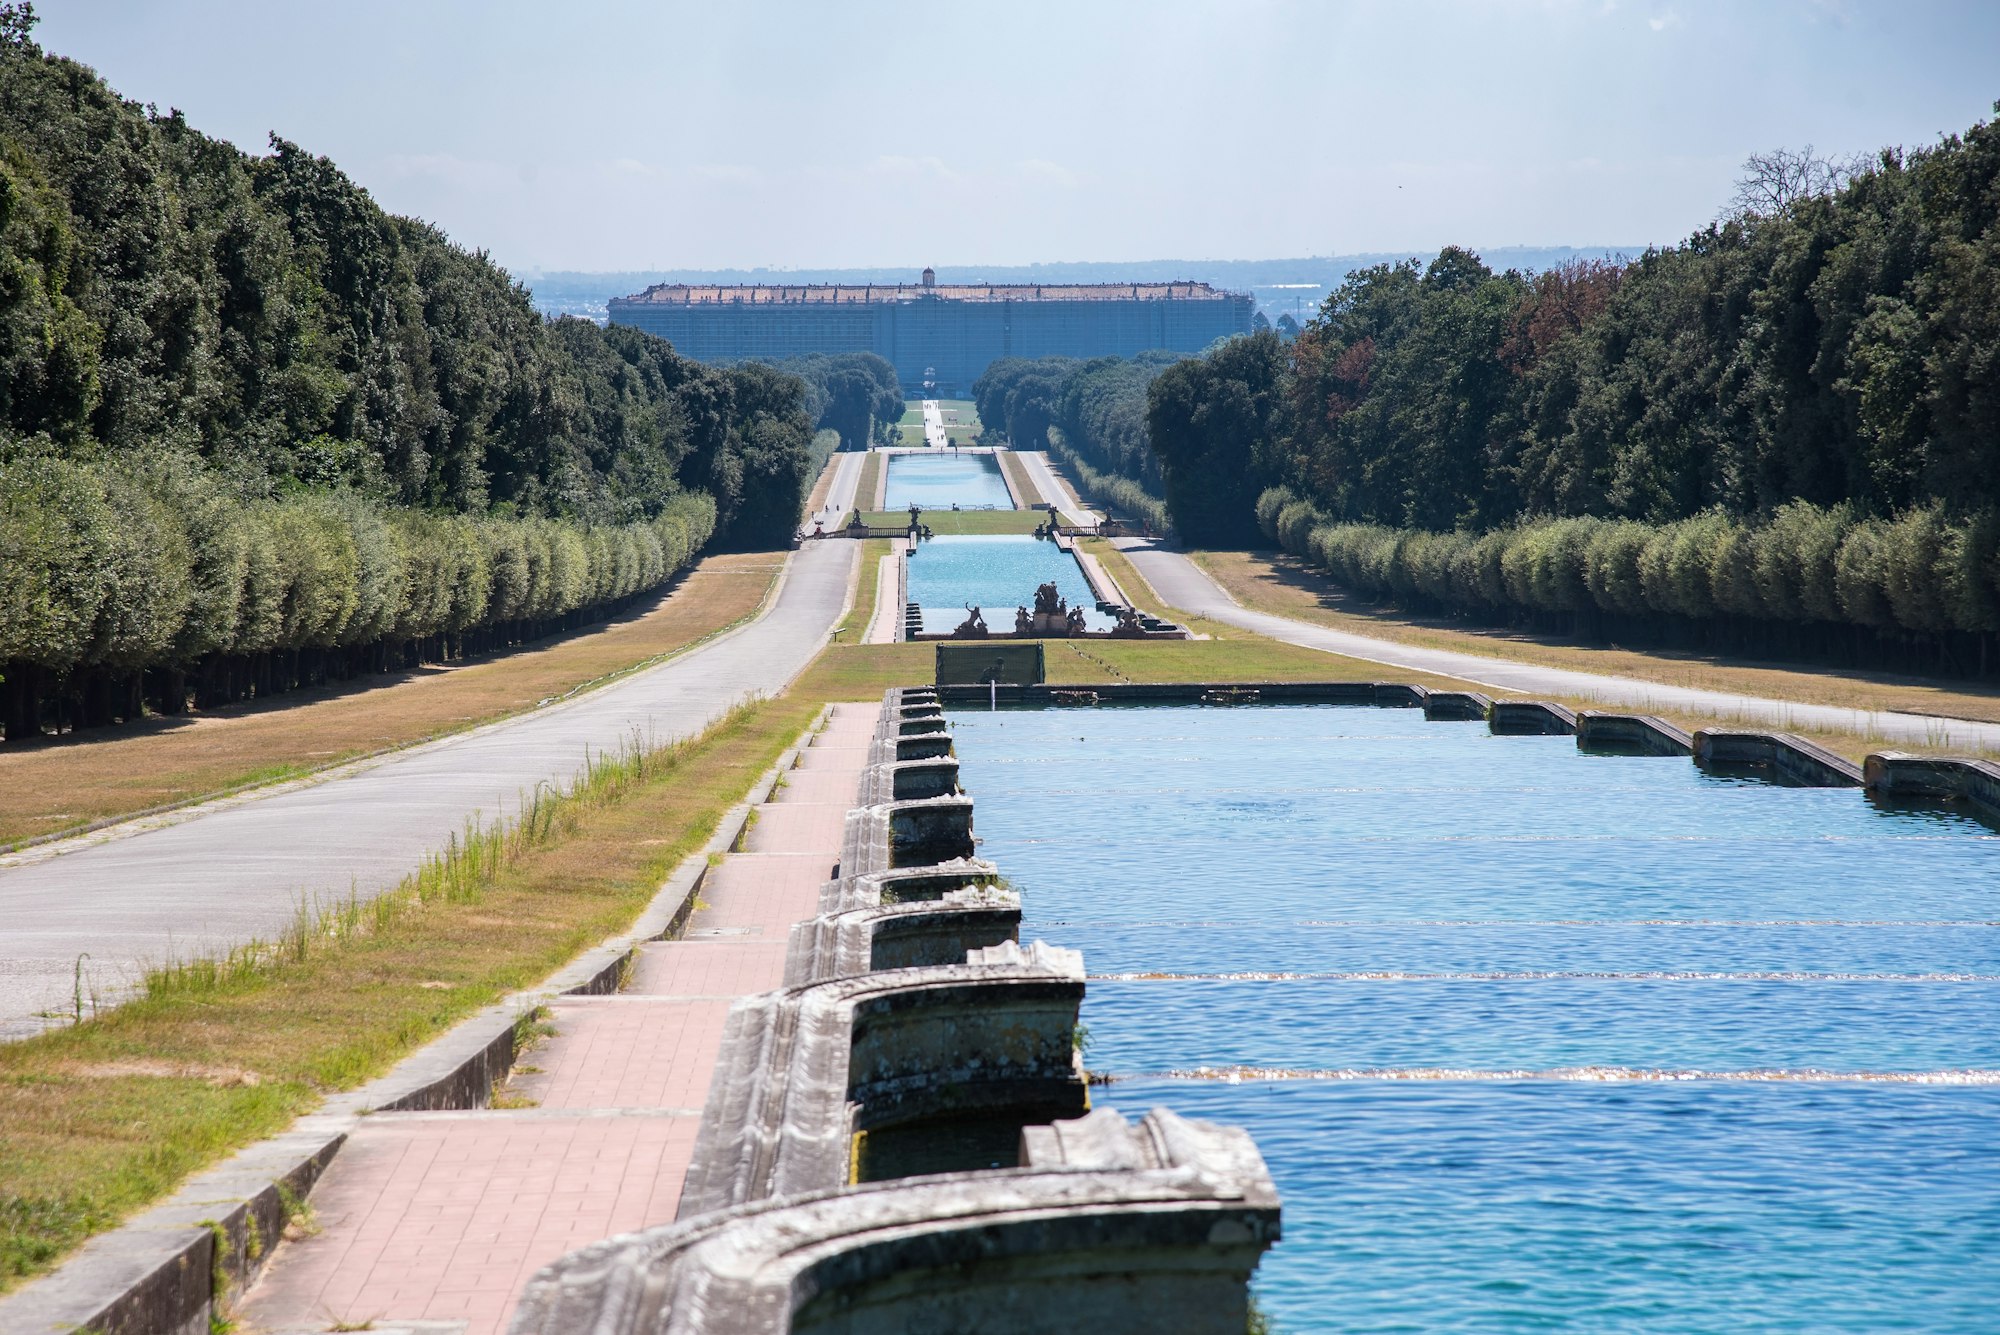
{"type": "Point", "coordinates": [1281, 286]}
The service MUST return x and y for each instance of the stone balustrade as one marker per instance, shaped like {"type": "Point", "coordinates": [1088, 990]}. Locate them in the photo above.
{"type": "Point", "coordinates": [896, 1140]}
{"type": "Point", "coordinates": [1106, 1227]}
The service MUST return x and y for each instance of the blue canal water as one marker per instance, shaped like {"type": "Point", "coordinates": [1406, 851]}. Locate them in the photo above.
{"type": "Point", "coordinates": [996, 574]}
{"type": "Point", "coordinates": [1531, 1039]}
{"type": "Point", "coordinates": [940, 481]}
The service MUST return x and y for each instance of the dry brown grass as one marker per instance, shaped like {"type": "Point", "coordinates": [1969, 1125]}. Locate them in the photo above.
{"type": "Point", "coordinates": [64, 783]}
{"type": "Point", "coordinates": [1017, 476]}
{"type": "Point", "coordinates": [824, 485]}
{"type": "Point", "coordinates": [867, 591]}
{"type": "Point", "coordinates": [1282, 585]}
{"type": "Point", "coordinates": [868, 490]}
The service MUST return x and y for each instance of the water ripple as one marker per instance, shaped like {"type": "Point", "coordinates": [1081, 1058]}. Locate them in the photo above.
{"type": "Point", "coordinates": [1540, 975]}
{"type": "Point", "coordinates": [1576, 1074]}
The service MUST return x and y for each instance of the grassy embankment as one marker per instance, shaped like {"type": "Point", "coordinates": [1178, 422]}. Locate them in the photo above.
{"type": "Point", "coordinates": [1017, 477]}
{"type": "Point", "coordinates": [956, 522]}
{"type": "Point", "coordinates": [65, 783]}
{"type": "Point", "coordinates": [855, 625]}
{"type": "Point", "coordinates": [870, 484]}
{"type": "Point", "coordinates": [101, 1119]}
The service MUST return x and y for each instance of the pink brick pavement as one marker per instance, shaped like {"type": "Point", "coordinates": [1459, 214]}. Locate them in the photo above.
{"type": "Point", "coordinates": [441, 1217]}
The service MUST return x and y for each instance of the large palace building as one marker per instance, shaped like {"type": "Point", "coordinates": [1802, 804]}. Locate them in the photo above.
{"type": "Point", "coordinates": [940, 335]}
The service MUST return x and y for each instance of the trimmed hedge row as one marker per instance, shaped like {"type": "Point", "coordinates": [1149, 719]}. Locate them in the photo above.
{"type": "Point", "coordinates": [1926, 571]}
{"type": "Point", "coordinates": [107, 573]}
{"type": "Point", "coordinates": [1112, 490]}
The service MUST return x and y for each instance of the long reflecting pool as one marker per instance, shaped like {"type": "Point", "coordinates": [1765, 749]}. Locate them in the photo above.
{"type": "Point", "coordinates": [1531, 1039]}
{"type": "Point", "coordinates": [996, 574]}
{"type": "Point", "coordinates": [940, 481]}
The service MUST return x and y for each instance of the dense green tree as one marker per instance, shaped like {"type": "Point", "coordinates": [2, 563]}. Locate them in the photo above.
{"type": "Point", "coordinates": [255, 431]}
{"type": "Point", "coordinates": [855, 394]}
{"type": "Point", "coordinates": [1215, 422]}
{"type": "Point", "coordinates": [1784, 432]}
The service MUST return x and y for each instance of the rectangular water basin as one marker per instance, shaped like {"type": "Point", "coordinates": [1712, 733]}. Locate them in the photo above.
{"type": "Point", "coordinates": [996, 574]}
{"type": "Point", "coordinates": [1530, 1038]}
{"type": "Point", "coordinates": [941, 481]}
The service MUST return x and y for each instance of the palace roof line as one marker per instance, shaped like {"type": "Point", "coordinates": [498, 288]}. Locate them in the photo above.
{"type": "Point", "coordinates": [866, 294]}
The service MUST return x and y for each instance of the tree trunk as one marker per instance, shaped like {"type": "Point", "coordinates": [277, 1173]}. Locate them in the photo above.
{"type": "Point", "coordinates": [94, 709]}
{"type": "Point", "coordinates": [23, 702]}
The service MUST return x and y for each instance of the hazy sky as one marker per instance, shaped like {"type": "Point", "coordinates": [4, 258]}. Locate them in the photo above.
{"type": "Point", "coordinates": [582, 135]}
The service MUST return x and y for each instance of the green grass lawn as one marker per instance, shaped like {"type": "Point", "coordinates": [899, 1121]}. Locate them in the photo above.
{"type": "Point", "coordinates": [961, 422]}
{"type": "Point", "coordinates": [959, 522]}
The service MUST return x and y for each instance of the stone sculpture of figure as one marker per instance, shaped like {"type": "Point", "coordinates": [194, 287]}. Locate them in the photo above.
{"type": "Point", "coordinates": [1128, 627]}
{"type": "Point", "coordinates": [1076, 620]}
{"type": "Point", "coordinates": [928, 535]}
{"type": "Point", "coordinates": [972, 628]}
{"type": "Point", "coordinates": [1048, 600]}
{"type": "Point", "coordinates": [916, 515]}
{"type": "Point", "coordinates": [1023, 623]}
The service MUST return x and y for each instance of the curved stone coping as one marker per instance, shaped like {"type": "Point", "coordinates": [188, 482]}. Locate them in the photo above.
{"type": "Point", "coordinates": [911, 718]}
{"type": "Point", "coordinates": [1457, 705]}
{"type": "Point", "coordinates": [1134, 692]}
{"type": "Point", "coordinates": [917, 934]}
{"type": "Point", "coordinates": [1803, 762]}
{"type": "Point", "coordinates": [1641, 732]}
{"type": "Point", "coordinates": [1531, 718]}
{"type": "Point", "coordinates": [924, 746]}
{"type": "Point", "coordinates": [907, 780]}
{"type": "Point", "coordinates": [906, 834]}
{"type": "Point", "coordinates": [1975, 782]}
{"type": "Point", "coordinates": [802, 1069]}
{"type": "Point", "coordinates": [1116, 1229]}
{"type": "Point", "coordinates": [905, 884]}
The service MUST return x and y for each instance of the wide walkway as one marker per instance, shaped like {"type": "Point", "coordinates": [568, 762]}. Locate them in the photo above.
{"type": "Point", "coordinates": [442, 1217]}
{"type": "Point", "coordinates": [840, 496]}
{"type": "Point", "coordinates": [1055, 488]}
{"type": "Point", "coordinates": [225, 872]}
{"type": "Point", "coordinates": [1182, 584]}
{"type": "Point", "coordinates": [934, 432]}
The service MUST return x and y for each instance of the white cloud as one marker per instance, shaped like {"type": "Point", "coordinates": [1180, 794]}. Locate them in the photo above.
{"type": "Point", "coordinates": [1670, 19]}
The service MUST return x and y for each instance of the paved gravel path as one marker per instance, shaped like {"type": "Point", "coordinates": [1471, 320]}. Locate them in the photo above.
{"type": "Point", "coordinates": [1182, 584]}
{"type": "Point", "coordinates": [444, 1216]}
{"type": "Point", "coordinates": [1053, 488]}
{"type": "Point", "coordinates": [207, 877]}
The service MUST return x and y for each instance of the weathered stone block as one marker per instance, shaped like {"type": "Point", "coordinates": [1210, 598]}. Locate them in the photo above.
{"type": "Point", "coordinates": [1790, 757]}
{"type": "Point", "coordinates": [1113, 1229]}
{"type": "Point", "coordinates": [805, 1068]}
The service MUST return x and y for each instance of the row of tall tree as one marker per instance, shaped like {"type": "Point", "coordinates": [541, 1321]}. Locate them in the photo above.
{"type": "Point", "coordinates": [254, 430]}
{"type": "Point", "coordinates": [1921, 590]}
{"type": "Point", "coordinates": [1091, 414]}
{"type": "Point", "coordinates": [855, 394]}
{"type": "Point", "coordinates": [1831, 348]}
{"type": "Point", "coordinates": [141, 585]}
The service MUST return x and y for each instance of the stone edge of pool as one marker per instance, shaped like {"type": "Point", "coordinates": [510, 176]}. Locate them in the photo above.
{"type": "Point", "coordinates": [833, 1171]}
{"type": "Point", "coordinates": [1781, 756]}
